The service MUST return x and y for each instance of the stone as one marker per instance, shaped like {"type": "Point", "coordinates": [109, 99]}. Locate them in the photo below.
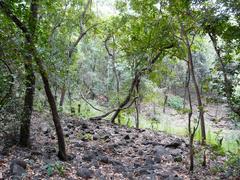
{"type": "Point", "coordinates": [96, 137]}
{"type": "Point", "coordinates": [18, 167]}
{"type": "Point", "coordinates": [173, 177]}
{"type": "Point", "coordinates": [175, 143]}
{"type": "Point", "coordinates": [127, 137]}
{"type": "Point", "coordinates": [140, 152]}
{"type": "Point", "coordinates": [45, 128]}
{"type": "Point", "coordinates": [103, 159]}
{"type": "Point", "coordinates": [178, 159]}
{"type": "Point", "coordinates": [175, 152]}
{"type": "Point", "coordinates": [85, 173]}
{"type": "Point", "coordinates": [84, 126]}
{"type": "Point", "coordinates": [89, 156]}
{"type": "Point", "coordinates": [70, 125]}
{"type": "Point", "coordinates": [159, 151]}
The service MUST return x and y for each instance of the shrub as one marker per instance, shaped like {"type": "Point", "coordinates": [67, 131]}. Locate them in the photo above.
{"type": "Point", "coordinates": [175, 102]}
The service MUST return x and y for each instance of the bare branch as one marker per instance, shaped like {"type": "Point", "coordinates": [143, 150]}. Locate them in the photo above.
{"type": "Point", "coordinates": [90, 103]}
{"type": "Point", "coordinates": [113, 110]}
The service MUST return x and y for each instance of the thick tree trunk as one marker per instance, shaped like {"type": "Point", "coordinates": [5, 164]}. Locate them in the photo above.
{"type": "Point", "coordinates": [30, 77]}
{"type": "Point", "coordinates": [28, 102]}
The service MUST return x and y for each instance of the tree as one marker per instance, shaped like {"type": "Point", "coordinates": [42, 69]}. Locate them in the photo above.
{"type": "Point", "coordinates": [28, 32]}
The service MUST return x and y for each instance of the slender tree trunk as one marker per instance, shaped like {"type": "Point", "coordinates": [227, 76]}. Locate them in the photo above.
{"type": "Point", "coordinates": [228, 87]}
{"type": "Point", "coordinates": [185, 90]}
{"type": "Point", "coordinates": [165, 100]}
{"type": "Point", "coordinates": [199, 100]}
{"type": "Point", "coordinates": [190, 133]}
{"type": "Point", "coordinates": [137, 105]}
{"type": "Point", "coordinates": [62, 98]}
{"type": "Point", "coordinates": [61, 142]}
{"type": "Point", "coordinates": [128, 97]}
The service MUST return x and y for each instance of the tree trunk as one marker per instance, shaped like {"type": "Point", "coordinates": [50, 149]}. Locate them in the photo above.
{"type": "Point", "coordinates": [228, 87]}
{"type": "Point", "coordinates": [61, 142]}
{"type": "Point", "coordinates": [165, 100]}
{"type": "Point", "coordinates": [29, 35]}
{"type": "Point", "coordinates": [190, 133]}
{"type": "Point", "coordinates": [28, 99]}
{"type": "Point", "coordinates": [62, 98]}
{"type": "Point", "coordinates": [199, 100]}
{"type": "Point", "coordinates": [137, 104]}
{"type": "Point", "coordinates": [127, 99]}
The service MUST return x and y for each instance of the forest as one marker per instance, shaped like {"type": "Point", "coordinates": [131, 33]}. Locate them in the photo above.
{"type": "Point", "coordinates": [120, 89]}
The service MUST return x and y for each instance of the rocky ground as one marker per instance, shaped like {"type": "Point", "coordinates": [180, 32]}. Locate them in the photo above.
{"type": "Point", "coordinates": [100, 150]}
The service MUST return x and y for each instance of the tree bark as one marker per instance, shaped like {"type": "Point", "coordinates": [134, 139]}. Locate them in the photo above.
{"type": "Point", "coordinates": [61, 142]}
{"type": "Point", "coordinates": [28, 99]}
{"type": "Point", "coordinates": [62, 98]}
{"type": "Point", "coordinates": [30, 77]}
{"type": "Point", "coordinates": [137, 104]}
{"type": "Point", "coordinates": [199, 100]}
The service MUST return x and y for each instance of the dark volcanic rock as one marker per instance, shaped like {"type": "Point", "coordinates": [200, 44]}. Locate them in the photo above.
{"type": "Point", "coordinates": [127, 137]}
{"type": "Point", "coordinates": [84, 126]}
{"type": "Point", "coordinates": [159, 151]}
{"type": "Point", "coordinates": [103, 159]}
{"type": "Point", "coordinates": [18, 167]}
{"type": "Point", "coordinates": [89, 156]}
{"type": "Point", "coordinates": [175, 143]}
{"type": "Point", "coordinates": [85, 173]}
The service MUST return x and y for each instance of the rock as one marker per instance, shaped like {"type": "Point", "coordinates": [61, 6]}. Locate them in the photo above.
{"type": "Point", "coordinates": [85, 173]}
{"type": "Point", "coordinates": [159, 151]}
{"type": "Point", "coordinates": [1, 156]}
{"type": "Point", "coordinates": [96, 137]}
{"type": "Point", "coordinates": [77, 144]}
{"type": "Point", "coordinates": [127, 137]}
{"type": "Point", "coordinates": [89, 156]}
{"type": "Point", "coordinates": [70, 125]}
{"type": "Point", "coordinates": [143, 171]}
{"type": "Point", "coordinates": [178, 159]}
{"type": "Point", "coordinates": [153, 143]}
{"type": "Point", "coordinates": [175, 143]}
{"type": "Point", "coordinates": [137, 165]}
{"type": "Point", "coordinates": [140, 152]}
{"type": "Point", "coordinates": [103, 159]}
{"type": "Point", "coordinates": [175, 152]}
{"type": "Point", "coordinates": [157, 159]}
{"type": "Point", "coordinates": [173, 177]}
{"type": "Point", "coordinates": [84, 126]}
{"type": "Point", "coordinates": [45, 128]}
{"type": "Point", "coordinates": [148, 161]}
{"type": "Point", "coordinates": [18, 167]}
